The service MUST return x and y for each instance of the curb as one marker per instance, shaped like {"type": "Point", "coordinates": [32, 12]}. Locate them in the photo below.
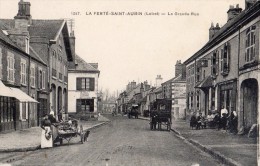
{"type": "Point", "coordinates": [25, 149]}
{"type": "Point", "coordinates": [96, 126]}
{"type": "Point", "coordinates": [36, 147]}
{"type": "Point", "coordinates": [215, 154]}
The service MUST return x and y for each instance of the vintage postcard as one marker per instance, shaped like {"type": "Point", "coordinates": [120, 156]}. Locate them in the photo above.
{"type": "Point", "coordinates": [133, 82]}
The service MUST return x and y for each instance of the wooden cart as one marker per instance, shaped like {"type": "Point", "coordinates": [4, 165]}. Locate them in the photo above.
{"type": "Point", "coordinates": [161, 114]}
{"type": "Point", "coordinates": [67, 131]}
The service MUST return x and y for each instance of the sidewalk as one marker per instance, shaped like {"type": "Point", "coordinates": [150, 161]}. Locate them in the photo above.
{"type": "Point", "coordinates": [30, 139]}
{"type": "Point", "coordinates": [231, 149]}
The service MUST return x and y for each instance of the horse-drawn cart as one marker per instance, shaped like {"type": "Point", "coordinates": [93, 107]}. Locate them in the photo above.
{"type": "Point", "coordinates": [161, 114]}
{"type": "Point", "coordinates": [68, 130]}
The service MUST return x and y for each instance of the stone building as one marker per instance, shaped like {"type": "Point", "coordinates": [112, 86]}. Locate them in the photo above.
{"type": "Point", "coordinates": [83, 87]}
{"type": "Point", "coordinates": [22, 79]}
{"type": "Point", "coordinates": [224, 72]}
{"type": "Point", "coordinates": [51, 41]}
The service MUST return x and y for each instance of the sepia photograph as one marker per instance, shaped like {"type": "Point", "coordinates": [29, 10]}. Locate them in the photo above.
{"type": "Point", "coordinates": [129, 82]}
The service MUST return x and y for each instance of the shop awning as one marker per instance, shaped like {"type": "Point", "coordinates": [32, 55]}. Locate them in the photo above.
{"type": "Point", "coordinates": [206, 83]}
{"type": "Point", "coordinates": [21, 96]}
{"type": "Point", "coordinates": [4, 90]}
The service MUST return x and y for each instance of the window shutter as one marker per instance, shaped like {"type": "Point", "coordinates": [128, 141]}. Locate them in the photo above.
{"type": "Point", "coordinates": [228, 56]}
{"type": "Point", "coordinates": [92, 84]}
{"type": "Point", "coordinates": [217, 59]}
{"type": "Point", "coordinates": [78, 83]}
{"type": "Point", "coordinates": [78, 106]}
{"type": "Point", "coordinates": [222, 60]}
{"type": "Point", "coordinates": [212, 65]}
{"type": "Point", "coordinates": [91, 105]}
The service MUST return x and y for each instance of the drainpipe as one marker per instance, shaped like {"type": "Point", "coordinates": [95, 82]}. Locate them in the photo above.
{"type": "Point", "coordinates": [238, 106]}
{"type": "Point", "coordinates": [29, 83]}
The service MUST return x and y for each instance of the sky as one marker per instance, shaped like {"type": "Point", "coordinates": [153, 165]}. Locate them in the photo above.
{"type": "Point", "coordinates": [133, 47]}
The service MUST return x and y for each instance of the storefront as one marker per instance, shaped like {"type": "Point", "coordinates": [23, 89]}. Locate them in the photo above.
{"type": "Point", "coordinates": [227, 94]}
{"type": "Point", "coordinates": [15, 108]}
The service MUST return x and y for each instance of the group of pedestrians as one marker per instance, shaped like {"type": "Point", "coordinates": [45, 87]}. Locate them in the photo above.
{"type": "Point", "coordinates": [223, 120]}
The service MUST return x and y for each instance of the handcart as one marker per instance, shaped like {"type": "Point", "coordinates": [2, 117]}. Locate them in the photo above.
{"type": "Point", "coordinates": [68, 130]}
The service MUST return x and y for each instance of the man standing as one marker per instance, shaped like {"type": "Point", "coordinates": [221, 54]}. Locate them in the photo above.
{"type": "Point", "coordinates": [224, 113]}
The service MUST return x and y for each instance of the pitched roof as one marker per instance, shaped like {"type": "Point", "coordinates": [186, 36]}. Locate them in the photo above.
{"type": "Point", "coordinates": [83, 66]}
{"type": "Point", "coordinates": [229, 28]}
{"type": "Point", "coordinates": [43, 28]}
{"type": "Point", "coordinates": [34, 54]}
{"type": "Point", "coordinates": [7, 40]}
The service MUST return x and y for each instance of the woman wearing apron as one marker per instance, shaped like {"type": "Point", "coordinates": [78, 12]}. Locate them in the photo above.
{"type": "Point", "coordinates": [46, 137]}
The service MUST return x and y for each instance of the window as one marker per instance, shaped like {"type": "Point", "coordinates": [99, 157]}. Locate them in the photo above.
{"type": "Point", "coordinates": [1, 55]}
{"type": "Point", "coordinates": [23, 71]}
{"type": "Point", "coordinates": [27, 47]}
{"type": "Point", "coordinates": [250, 45]}
{"type": "Point", "coordinates": [198, 99]}
{"type": "Point", "coordinates": [54, 57]}
{"type": "Point", "coordinates": [86, 84]}
{"type": "Point", "coordinates": [32, 76]}
{"type": "Point", "coordinates": [225, 59]}
{"type": "Point", "coordinates": [23, 111]}
{"type": "Point", "coordinates": [43, 80]}
{"type": "Point", "coordinates": [40, 79]}
{"type": "Point", "coordinates": [10, 66]}
{"type": "Point", "coordinates": [85, 105]}
{"type": "Point", "coordinates": [214, 63]}
{"type": "Point", "coordinates": [213, 99]}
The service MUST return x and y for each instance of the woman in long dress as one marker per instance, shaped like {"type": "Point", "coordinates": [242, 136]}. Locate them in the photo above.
{"type": "Point", "coordinates": [46, 137]}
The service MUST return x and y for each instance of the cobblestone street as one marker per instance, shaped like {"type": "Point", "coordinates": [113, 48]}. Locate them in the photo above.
{"type": "Point", "coordinates": [121, 142]}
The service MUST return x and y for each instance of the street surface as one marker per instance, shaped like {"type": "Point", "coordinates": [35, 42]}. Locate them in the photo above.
{"type": "Point", "coordinates": [121, 142]}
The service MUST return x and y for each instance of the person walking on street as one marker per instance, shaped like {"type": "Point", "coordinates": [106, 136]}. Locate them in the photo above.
{"type": "Point", "coordinates": [46, 136]}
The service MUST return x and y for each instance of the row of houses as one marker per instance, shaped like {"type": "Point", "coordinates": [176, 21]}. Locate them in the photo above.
{"type": "Point", "coordinates": [145, 95]}
{"type": "Point", "coordinates": [36, 59]}
{"type": "Point", "coordinates": [223, 73]}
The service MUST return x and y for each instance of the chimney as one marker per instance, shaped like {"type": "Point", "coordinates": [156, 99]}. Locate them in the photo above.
{"type": "Point", "coordinates": [72, 46]}
{"type": "Point", "coordinates": [23, 17]}
{"type": "Point", "coordinates": [146, 86]}
{"type": "Point", "coordinates": [178, 68]}
{"type": "Point", "coordinates": [213, 30]}
{"type": "Point", "coordinates": [249, 3]}
{"type": "Point", "coordinates": [133, 84]}
{"type": "Point", "coordinates": [158, 81]}
{"type": "Point", "coordinates": [233, 11]}
{"type": "Point", "coordinates": [142, 88]}
{"type": "Point", "coordinates": [19, 34]}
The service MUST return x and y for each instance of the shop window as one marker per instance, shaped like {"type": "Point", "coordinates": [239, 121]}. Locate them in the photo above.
{"type": "Point", "coordinates": [23, 111]}
{"type": "Point", "coordinates": [85, 105]}
{"type": "Point", "coordinates": [212, 98]}
{"type": "Point", "coordinates": [250, 45]}
{"type": "Point", "coordinates": [225, 59]}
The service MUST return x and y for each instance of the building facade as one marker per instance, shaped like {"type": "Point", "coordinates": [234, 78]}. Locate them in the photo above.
{"type": "Point", "coordinates": [22, 79]}
{"type": "Point", "coordinates": [83, 87]}
{"type": "Point", "coordinates": [51, 42]}
{"type": "Point", "coordinates": [224, 72]}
